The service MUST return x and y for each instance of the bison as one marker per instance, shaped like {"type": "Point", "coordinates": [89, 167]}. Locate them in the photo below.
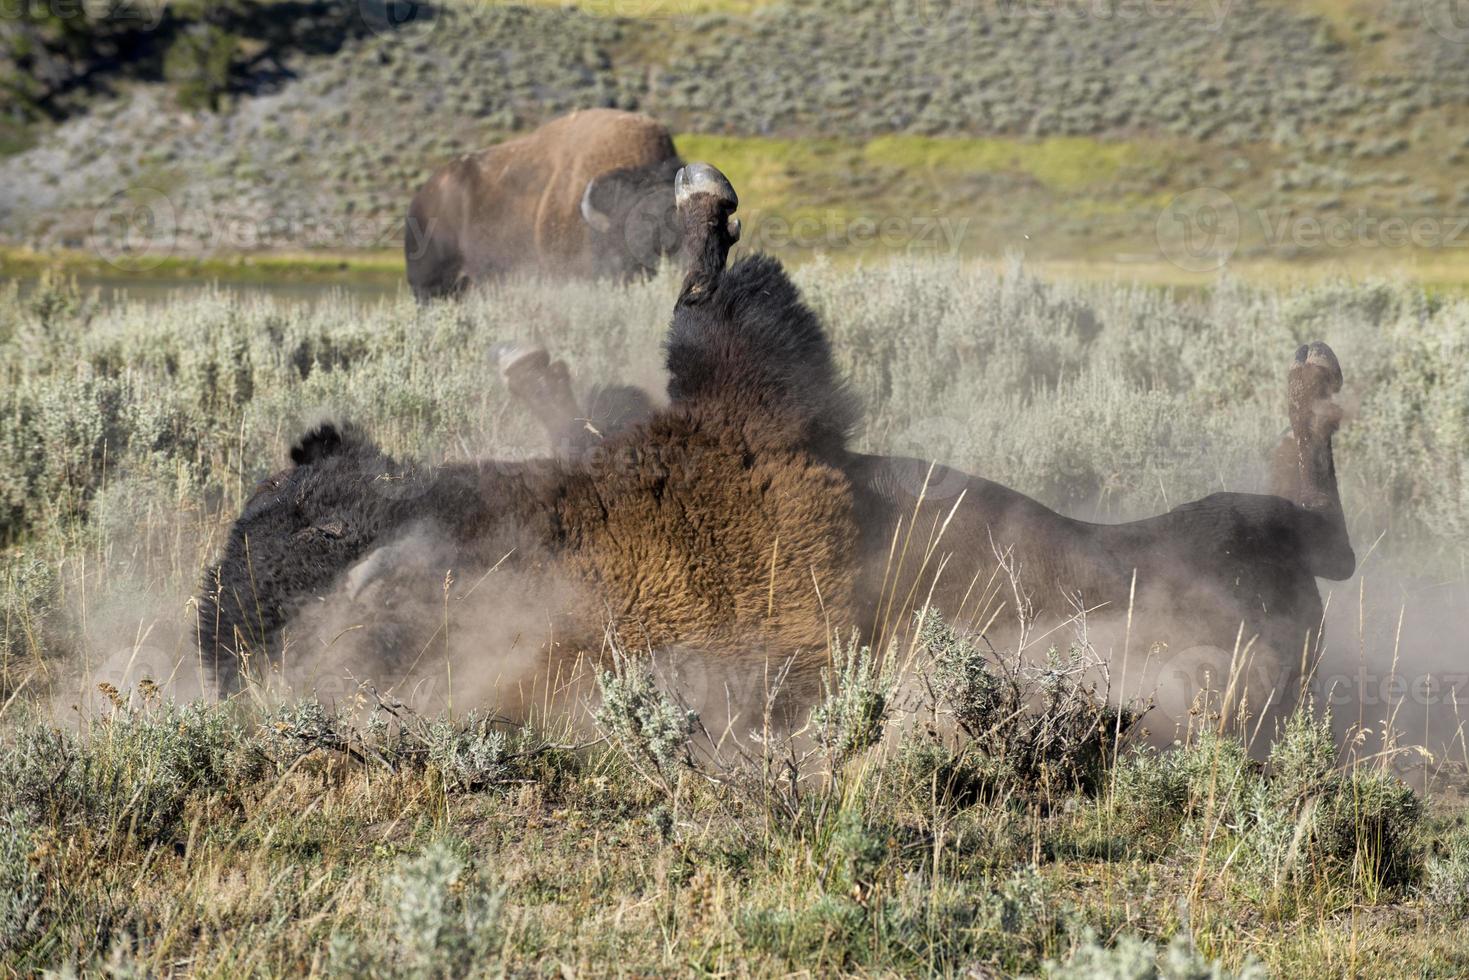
{"type": "Point", "coordinates": [682, 524]}
{"type": "Point", "coordinates": [587, 194]}
{"type": "Point", "coordinates": [717, 523]}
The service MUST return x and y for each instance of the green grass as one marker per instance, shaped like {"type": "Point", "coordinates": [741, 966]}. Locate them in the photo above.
{"type": "Point", "coordinates": [1060, 163]}
{"type": "Point", "coordinates": [244, 268]}
{"type": "Point", "coordinates": [15, 139]}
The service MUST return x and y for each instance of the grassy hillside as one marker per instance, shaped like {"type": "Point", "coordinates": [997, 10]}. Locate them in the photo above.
{"type": "Point", "coordinates": [275, 836]}
{"type": "Point", "coordinates": [1259, 131]}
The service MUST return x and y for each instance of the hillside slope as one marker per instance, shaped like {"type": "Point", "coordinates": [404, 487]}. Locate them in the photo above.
{"type": "Point", "coordinates": [1064, 130]}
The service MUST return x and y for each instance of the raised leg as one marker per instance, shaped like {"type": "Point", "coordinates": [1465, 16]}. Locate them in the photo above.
{"type": "Point", "coordinates": [1304, 467]}
{"type": "Point", "coordinates": [544, 386]}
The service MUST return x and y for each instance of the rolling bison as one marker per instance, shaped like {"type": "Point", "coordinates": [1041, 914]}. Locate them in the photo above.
{"type": "Point", "coordinates": [587, 194]}
{"type": "Point", "coordinates": [683, 525]}
{"type": "Point", "coordinates": [717, 523]}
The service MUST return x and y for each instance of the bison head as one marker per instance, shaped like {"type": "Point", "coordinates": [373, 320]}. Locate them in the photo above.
{"type": "Point", "coordinates": [631, 217]}
{"type": "Point", "coordinates": [304, 530]}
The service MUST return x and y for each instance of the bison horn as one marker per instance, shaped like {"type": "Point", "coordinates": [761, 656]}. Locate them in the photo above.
{"type": "Point", "coordinates": [589, 212]}
{"type": "Point", "coordinates": [701, 178]}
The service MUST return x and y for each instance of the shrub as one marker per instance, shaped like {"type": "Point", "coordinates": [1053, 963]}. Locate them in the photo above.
{"type": "Point", "coordinates": [21, 885]}
{"type": "Point", "coordinates": [644, 723]}
{"type": "Point", "coordinates": [1446, 880]}
{"type": "Point", "coordinates": [478, 752]}
{"type": "Point", "coordinates": [1028, 725]}
{"type": "Point", "coordinates": [201, 63]}
{"type": "Point", "coordinates": [438, 919]}
{"type": "Point", "coordinates": [1370, 824]}
{"type": "Point", "coordinates": [1135, 958]}
{"type": "Point", "coordinates": [1303, 758]}
{"type": "Point", "coordinates": [131, 773]}
{"type": "Point", "coordinates": [28, 608]}
{"type": "Point", "coordinates": [850, 718]}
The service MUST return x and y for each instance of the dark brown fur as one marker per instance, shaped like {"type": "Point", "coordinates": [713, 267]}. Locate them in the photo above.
{"type": "Point", "coordinates": [715, 524]}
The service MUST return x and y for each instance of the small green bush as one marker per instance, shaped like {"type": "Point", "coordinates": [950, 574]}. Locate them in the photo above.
{"type": "Point", "coordinates": [850, 718]}
{"type": "Point", "coordinates": [131, 773]}
{"type": "Point", "coordinates": [1024, 725]}
{"type": "Point", "coordinates": [647, 726]}
{"type": "Point", "coordinates": [1446, 880]}
{"type": "Point", "coordinates": [1135, 958]}
{"type": "Point", "coordinates": [29, 600]}
{"type": "Point", "coordinates": [201, 64]}
{"type": "Point", "coordinates": [1370, 823]}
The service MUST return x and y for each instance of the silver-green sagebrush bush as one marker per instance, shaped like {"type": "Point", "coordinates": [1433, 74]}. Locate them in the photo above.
{"type": "Point", "coordinates": [1446, 881]}
{"type": "Point", "coordinates": [1133, 958]}
{"type": "Point", "coordinates": [859, 688]}
{"type": "Point", "coordinates": [651, 729]}
{"type": "Point", "coordinates": [1023, 724]}
{"type": "Point", "coordinates": [130, 772]}
{"type": "Point", "coordinates": [21, 885]}
{"type": "Point", "coordinates": [1145, 400]}
{"type": "Point", "coordinates": [438, 919]}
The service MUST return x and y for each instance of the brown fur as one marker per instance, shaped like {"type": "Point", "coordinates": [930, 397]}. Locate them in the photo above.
{"type": "Point", "coordinates": [516, 206]}
{"type": "Point", "coordinates": [714, 524]}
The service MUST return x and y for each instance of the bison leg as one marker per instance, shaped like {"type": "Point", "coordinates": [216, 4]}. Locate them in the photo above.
{"type": "Point", "coordinates": [544, 386]}
{"type": "Point", "coordinates": [1305, 469]}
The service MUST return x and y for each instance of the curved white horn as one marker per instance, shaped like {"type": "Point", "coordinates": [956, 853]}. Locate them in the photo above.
{"type": "Point", "coordinates": [589, 213]}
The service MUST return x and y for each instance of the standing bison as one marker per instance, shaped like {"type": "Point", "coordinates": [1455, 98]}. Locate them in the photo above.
{"type": "Point", "coordinates": [587, 194]}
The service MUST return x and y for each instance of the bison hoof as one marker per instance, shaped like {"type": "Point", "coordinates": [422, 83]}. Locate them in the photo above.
{"type": "Point", "coordinates": [1323, 359]}
{"type": "Point", "coordinates": [701, 178]}
{"type": "Point", "coordinates": [510, 357]}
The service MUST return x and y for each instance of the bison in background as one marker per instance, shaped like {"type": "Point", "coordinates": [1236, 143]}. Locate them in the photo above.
{"type": "Point", "coordinates": [587, 194]}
